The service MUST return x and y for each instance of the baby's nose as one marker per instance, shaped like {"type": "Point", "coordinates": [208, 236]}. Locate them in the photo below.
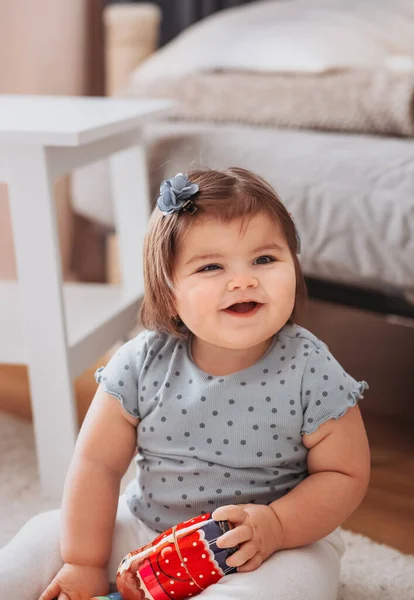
{"type": "Point", "coordinates": [242, 281]}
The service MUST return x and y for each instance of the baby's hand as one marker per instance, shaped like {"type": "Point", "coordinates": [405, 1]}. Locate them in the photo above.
{"type": "Point", "coordinates": [74, 582]}
{"type": "Point", "coordinates": [256, 529]}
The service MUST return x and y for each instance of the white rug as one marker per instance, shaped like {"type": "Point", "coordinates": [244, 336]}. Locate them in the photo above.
{"type": "Point", "coordinates": [370, 571]}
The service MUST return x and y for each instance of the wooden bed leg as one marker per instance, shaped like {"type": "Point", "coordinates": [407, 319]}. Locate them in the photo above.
{"type": "Point", "coordinates": [131, 35]}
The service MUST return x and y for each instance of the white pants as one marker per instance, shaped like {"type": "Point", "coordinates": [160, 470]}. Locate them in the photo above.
{"type": "Point", "coordinates": [31, 559]}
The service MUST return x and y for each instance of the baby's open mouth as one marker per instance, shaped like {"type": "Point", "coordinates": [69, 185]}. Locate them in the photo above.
{"type": "Point", "coordinates": [243, 308]}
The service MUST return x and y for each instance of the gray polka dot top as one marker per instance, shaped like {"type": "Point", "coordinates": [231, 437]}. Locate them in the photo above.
{"type": "Point", "coordinates": [205, 441]}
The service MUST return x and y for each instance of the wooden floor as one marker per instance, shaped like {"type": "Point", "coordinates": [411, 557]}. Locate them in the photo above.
{"type": "Point", "coordinates": [387, 513]}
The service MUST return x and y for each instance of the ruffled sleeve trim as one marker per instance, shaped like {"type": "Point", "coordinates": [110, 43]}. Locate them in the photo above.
{"type": "Point", "coordinates": [356, 394]}
{"type": "Point", "coordinates": [106, 388]}
{"type": "Point", "coordinates": [119, 377]}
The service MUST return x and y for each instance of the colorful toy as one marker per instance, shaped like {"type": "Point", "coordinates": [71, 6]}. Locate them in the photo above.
{"type": "Point", "coordinates": [179, 563]}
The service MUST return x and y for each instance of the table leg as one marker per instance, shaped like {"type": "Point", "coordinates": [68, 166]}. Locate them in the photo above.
{"type": "Point", "coordinates": [40, 290]}
{"type": "Point", "coordinates": [130, 192]}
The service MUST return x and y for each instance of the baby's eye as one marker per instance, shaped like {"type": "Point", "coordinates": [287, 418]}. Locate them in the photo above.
{"type": "Point", "coordinates": [208, 268]}
{"type": "Point", "coordinates": [264, 260]}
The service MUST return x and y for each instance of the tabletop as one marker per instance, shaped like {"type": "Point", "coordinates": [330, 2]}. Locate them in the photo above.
{"type": "Point", "coordinates": [71, 120]}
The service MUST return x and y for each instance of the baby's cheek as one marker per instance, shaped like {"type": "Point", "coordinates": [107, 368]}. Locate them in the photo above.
{"type": "Point", "coordinates": [283, 286]}
{"type": "Point", "coordinates": [201, 299]}
{"type": "Point", "coordinates": [193, 308]}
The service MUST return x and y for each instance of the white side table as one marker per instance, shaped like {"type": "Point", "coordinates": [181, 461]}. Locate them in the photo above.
{"type": "Point", "coordinates": [58, 329]}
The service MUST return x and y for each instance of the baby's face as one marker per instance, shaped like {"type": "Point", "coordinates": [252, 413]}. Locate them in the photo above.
{"type": "Point", "coordinates": [235, 287]}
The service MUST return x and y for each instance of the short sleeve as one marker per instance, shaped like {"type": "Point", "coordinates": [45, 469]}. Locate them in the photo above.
{"type": "Point", "coordinates": [121, 375]}
{"type": "Point", "coordinates": [327, 390]}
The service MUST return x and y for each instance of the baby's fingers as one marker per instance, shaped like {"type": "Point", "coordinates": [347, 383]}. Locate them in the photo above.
{"type": "Point", "coordinates": [235, 536]}
{"type": "Point", "coordinates": [231, 512]}
{"type": "Point", "coordinates": [246, 552]}
{"type": "Point", "coordinates": [252, 564]}
{"type": "Point", "coordinates": [52, 591]}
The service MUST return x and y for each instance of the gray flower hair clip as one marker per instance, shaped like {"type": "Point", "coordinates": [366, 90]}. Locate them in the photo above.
{"type": "Point", "coordinates": [175, 195]}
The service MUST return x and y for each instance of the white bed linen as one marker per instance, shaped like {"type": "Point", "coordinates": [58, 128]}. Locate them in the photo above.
{"type": "Point", "coordinates": [310, 36]}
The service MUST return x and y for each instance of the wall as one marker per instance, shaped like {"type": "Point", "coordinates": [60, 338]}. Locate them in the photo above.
{"type": "Point", "coordinates": [47, 47]}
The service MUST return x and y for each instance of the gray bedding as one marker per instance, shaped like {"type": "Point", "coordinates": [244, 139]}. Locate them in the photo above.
{"type": "Point", "coordinates": [352, 196]}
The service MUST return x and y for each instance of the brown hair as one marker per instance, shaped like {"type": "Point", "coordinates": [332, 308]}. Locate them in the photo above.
{"type": "Point", "coordinates": [225, 195]}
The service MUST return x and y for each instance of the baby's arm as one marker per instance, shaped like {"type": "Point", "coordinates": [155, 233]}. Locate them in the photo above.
{"type": "Point", "coordinates": [339, 472]}
{"type": "Point", "coordinates": [104, 449]}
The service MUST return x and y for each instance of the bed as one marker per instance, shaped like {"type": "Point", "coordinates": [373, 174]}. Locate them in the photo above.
{"type": "Point", "coordinates": [317, 97]}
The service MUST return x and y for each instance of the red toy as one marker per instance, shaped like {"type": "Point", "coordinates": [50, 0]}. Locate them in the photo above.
{"type": "Point", "coordinates": [179, 563]}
